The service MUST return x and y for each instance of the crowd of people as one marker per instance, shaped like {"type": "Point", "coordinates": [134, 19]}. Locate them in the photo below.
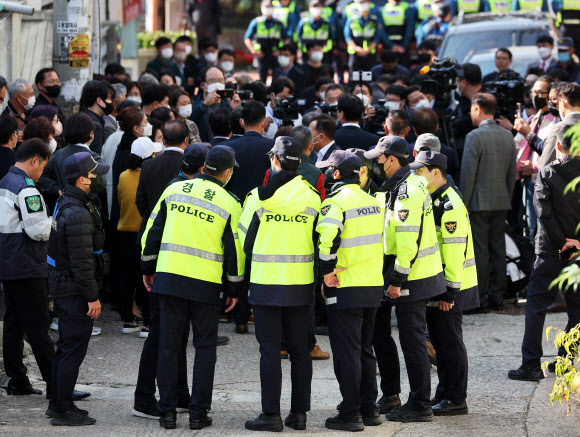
{"type": "Point", "coordinates": [309, 202]}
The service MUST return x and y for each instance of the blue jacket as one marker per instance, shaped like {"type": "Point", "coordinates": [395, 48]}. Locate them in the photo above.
{"type": "Point", "coordinates": [200, 115]}
{"type": "Point", "coordinates": [24, 228]}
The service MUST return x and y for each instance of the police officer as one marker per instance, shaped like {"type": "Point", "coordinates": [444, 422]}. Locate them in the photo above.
{"type": "Point", "coordinates": [75, 276]}
{"type": "Point", "coordinates": [500, 5]}
{"type": "Point", "coordinates": [366, 182]}
{"type": "Point", "coordinates": [288, 13]}
{"type": "Point", "coordinates": [444, 312]}
{"type": "Point", "coordinates": [315, 29]}
{"type": "Point", "coordinates": [399, 20]}
{"type": "Point", "coordinates": [468, 6]}
{"type": "Point", "coordinates": [263, 38]}
{"type": "Point", "coordinates": [413, 270]}
{"type": "Point", "coordinates": [24, 233]}
{"type": "Point", "coordinates": [351, 261]}
{"type": "Point", "coordinates": [568, 18]}
{"type": "Point", "coordinates": [362, 33]}
{"type": "Point", "coordinates": [277, 231]}
{"type": "Point", "coordinates": [434, 27]}
{"type": "Point", "coordinates": [530, 5]}
{"type": "Point", "coordinates": [424, 10]}
{"type": "Point", "coordinates": [186, 270]}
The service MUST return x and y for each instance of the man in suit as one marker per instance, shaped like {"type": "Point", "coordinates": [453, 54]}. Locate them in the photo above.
{"type": "Point", "coordinates": [251, 151]}
{"type": "Point", "coordinates": [503, 61]}
{"type": "Point", "coordinates": [323, 128]}
{"type": "Point", "coordinates": [488, 176]}
{"type": "Point", "coordinates": [545, 44]}
{"type": "Point", "coordinates": [286, 60]}
{"type": "Point", "coordinates": [219, 125]}
{"type": "Point", "coordinates": [350, 110]}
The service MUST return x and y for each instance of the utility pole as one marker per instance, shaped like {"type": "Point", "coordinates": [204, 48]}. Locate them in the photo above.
{"type": "Point", "coordinates": [72, 48]}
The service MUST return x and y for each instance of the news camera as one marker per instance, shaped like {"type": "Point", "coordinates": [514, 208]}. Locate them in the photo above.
{"type": "Point", "coordinates": [508, 90]}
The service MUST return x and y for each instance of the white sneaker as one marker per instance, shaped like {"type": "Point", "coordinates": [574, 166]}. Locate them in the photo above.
{"type": "Point", "coordinates": [130, 328]}
{"type": "Point", "coordinates": [96, 331]}
{"type": "Point", "coordinates": [54, 324]}
{"type": "Point", "coordinates": [144, 332]}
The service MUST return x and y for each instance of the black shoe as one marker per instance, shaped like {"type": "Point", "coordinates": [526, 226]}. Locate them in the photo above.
{"type": "Point", "coordinates": [71, 418]}
{"type": "Point", "coordinates": [448, 408]}
{"type": "Point", "coordinates": [295, 420]}
{"type": "Point", "coordinates": [552, 367]}
{"type": "Point", "coordinates": [406, 414]}
{"type": "Point", "coordinates": [435, 401]}
{"type": "Point", "coordinates": [321, 330]}
{"type": "Point", "coordinates": [50, 411]}
{"type": "Point", "coordinates": [200, 422]}
{"type": "Point", "coordinates": [78, 395]}
{"type": "Point", "coordinates": [147, 411]}
{"type": "Point", "coordinates": [479, 310]}
{"type": "Point", "coordinates": [387, 403]}
{"type": "Point", "coordinates": [241, 329]}
{"type": "Point", "coordinates": [222, 340]}
{"type": "Point", "coordinates": [22, 391]}
{"type": "Point", "coordinates": [371, 418]}
{"type": "Point", "coordinates": [167, 420]}
{"type": "Point", "coordinates": [526, 374]}
{"type": "Point", "coordinates": [496, 306]}
{"type": "Point", "coordinates": [354, 424]}
{"type": "Point", "coordinates": [265, 423]}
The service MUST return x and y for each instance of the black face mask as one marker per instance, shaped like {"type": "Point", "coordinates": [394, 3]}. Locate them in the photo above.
{"type": "Point", "coordinates": [52, 91]}
{"type": "Point", "coordinates": [109, 107]}
{"type": "Point", "coordinates": [328, 179]}
{"type": "Point", "coordinates": [553, 109]}
{"type": "Point", "coordinates": [538, 102]}
{"type": "Point", "coordinates": [379, 170]}
{"type": "Point", "coordinates": [97, 184]}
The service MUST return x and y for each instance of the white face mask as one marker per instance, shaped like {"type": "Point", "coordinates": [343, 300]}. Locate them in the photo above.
{"type": "Point", "coordinates": [322, 95]}
{"type": "Point", "coordinates": [159, 146]}
{"type": "Point", "coordinates": [392, 106]}
{"type": "Point", "coordinates": [147, 130]}
{"type": "Point", "coordinates": [424, 103]}
{"type": "Point", "coordinates": [544, 52]}
{"type": "Point", "coordinates": [268, 12]}
{"type": "Point", "coordinates": [213, 87]}
{"type": "Point", "coordinates": [227, 66]}
{"type": "Point", "coordinates": [316, 56]}
{"type": "Point", "coordinates": [316, 12]}
{"type": "Point", "coordinates": [284, 61]}
{"type": "Point", "coordinates": [52, 145]}
{"type": "Point", "coordinates": [57, 128]}
{"type": "Point", "coordinates": [188, 49]}
{"type": "Point", "coordinates": [185, 111]}
{"type": "Point", "coordinates": [365, 99]}
{"type": "Point", "coordinates": [211, 57]}
{"type": "Point", "coordinates": [136, 99]}
{"type": "Point", "coordinates": [30, 103]}
{"type": "Point", "coordinates": [167, 53]}
{"type": "Point", "coordinates": [228, 180]}
{"type": "Point", "coordinates": [363, 7]}
{"type": "Point", "coordinates": [180, 57]}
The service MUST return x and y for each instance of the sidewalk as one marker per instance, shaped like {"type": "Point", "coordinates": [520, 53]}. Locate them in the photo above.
{"type": "Point", "coordinates": [497, 405]}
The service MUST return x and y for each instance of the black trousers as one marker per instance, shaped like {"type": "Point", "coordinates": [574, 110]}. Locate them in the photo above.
{"type": "Point", "coordinates": [27, 313]}
{"type": "Point", "coordinates": [145, 389]}
{"type": "Point", "coordinates": [268, 62]}
{"type": "Point", "coordinates": [269, 322]}
{"type": "Point", "coordinates": [174, 314]}
{"type": "Point", "coordinates": [356, 63]}
{"type": "Point", "coordinates": [74, 333]}
{"type": "Point", "coordinates": [241, 311]}
{"type": "Point", "coordinates": [446, 335]}
{"type": "Point", "coordinates": [386, 351]}
{"type": "Point", "coordinates": [539, 297]}
{"type": "Point", "coordinates": [130, 280]}
{"type": "Point", "coordinates": [488, 229]}
{"type": "Point", "coordinates": [355, 367]}
{"type": "Point", "coordinates": [311, 336]}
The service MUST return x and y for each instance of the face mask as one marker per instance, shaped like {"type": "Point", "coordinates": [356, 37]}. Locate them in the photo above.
{"type": "Point", "coordinates": [392, 106]}
{"type": "Point", "coordinates": [329, 181]}
{"type": "Point", "coordinates": [322, 95]}
{"type": "Point", "coordinates": [57, 128]}
{"type": "Point", "coordinates": [228, 179]}
{"type": "Point", "coordinates": [109, 107]}
{"type": "Point", "coordinates": [213, 87]}
{"type": "Point", "coordinates": [316, 13]}
{"type": "Point", "coordinates": [316, 56]}
{"type": "Point", "coordinates": [188, 49]}
{"type": "Point", "coordinates": [544, 52]}
{"type": "Point", "coordinates": [53, 91]}
{"type": "Point", "coordinates": [363, 7]}
{"type": "Point", "coordinates": [379, 170]}
{"type": "Point", "coordinates": [211, 57]}
{"type": "Point", "coordinates": [180, 57]}
{"type": "Point", "coordinates": [185, 111]}
{"type": "Point", "coordinates": [159, 146]}
{"type": "Point", "coordinates": [167, 53]}
{"type": "Point", "coordinates": [317, 142]}
{"type": "Point", "coordinates": [147, 130]}
{"type": "Point", "coordinates": [227, 66]}
{"type": "Point", "coordinates": [429, 180]}
{"type": "Point", "coordinates": [539, 102]}
{"type": "Point", "coordinates": [284, 61]}
{"type": "Point", "coordinates": [135, 99]}
{"type": "Point", "coordinates": [421, 104]}
{"type": "Point", "coordinates": [268, 12]}
{"type": "Point", "coordinates": [432, 103]}
{"type": "Point", "coordinates": [52, 145]}
{"type": "Point", "coordinates": [97, 185]}
{"type": "Point", "coordinates": [30, 103]}
{"type": "Point", "coordinates": [365, 99]}
{"type": "Point", "coordinates": [562, 116]}
{"type": "Point", "coordinates": [564, 57]}
{"type": "Point", "coordinates": [553, 109]}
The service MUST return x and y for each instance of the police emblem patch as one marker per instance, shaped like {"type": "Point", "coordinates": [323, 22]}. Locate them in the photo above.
{"type": "Point", "coordinates": [33, 203]}
{"type": "Point", "coordinates": [403, 214]}
{"type": "Point", "coordinates": [451, 227]}
{"type": "Point", "coordinates": [325, 209]}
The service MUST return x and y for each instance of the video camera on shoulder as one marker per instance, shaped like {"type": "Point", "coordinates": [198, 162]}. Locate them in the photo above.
{"type": "Point", "coordinates": [229, 91]}
{"type": "Point", "coordinates": [288, 110]}
{"type": "Point", "coordinates": [441, 81]}
{"type": "Point", "coordinates": [508, 90]}
{"type": "Point", "coordinates": [326, 109]}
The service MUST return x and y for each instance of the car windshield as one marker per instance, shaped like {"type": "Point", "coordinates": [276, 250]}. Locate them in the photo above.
{"type": "Point", "coordinates": [462, 45]}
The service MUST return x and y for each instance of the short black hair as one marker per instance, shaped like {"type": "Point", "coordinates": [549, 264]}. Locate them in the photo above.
{"type": "Point", "coordinates": [506, 51]}
{"type": "Point", "coordinates": [259, 89]}
{"type": "Point", "coordinates": [486, 101]}
{"type": "Point", "coordinates": [387, 79]}
{"type": "Point", "coordinates": [8, 126]}
{"type": "Point", "coordinates": [427, 44]}
{"type": "Point", "coordinates": [234, 121]}
{"type": "Point", "coordinates": [78, 128]}
{"type": "Point", "coordinates": [253, 113]}
{"type": "Point", "coordinates": [545, 38]}
{"type": "Point", "coordinates": [94, 89]}
{"type": "Point", "coordinates": [162, 114]}
{"type": "Point", "coordinates": [114, 68]}
{"type": "Point", "coordinates": [398, 122]}
{"type": "Point", "coordinates": [424, 121]}
{"type": "Point", "coordinates": [175, 132]}
{"type": "Point", "coordinates": [162, 41]}
{"type": "Point", "coordinates": [397, 90]}
{"type": "Point", "coordinates": [435, 167]}
{"type": "Point", "coordinates": [325, 124]}
{"type": "Point", "coordinates": [219, 122]}
{"type": "Point", "coordinates": [402, 161]}
{"type": "Point", "coordinates": [209, 43]}
{"type": "Point", "coordinates": [228, 52]}
{"type": "Point", "coordinates": [184, 38]}
{"type": "Point", "coordinates": [3, 82]}
{"type": "Point", "coordinates": [351, 106]}
{"type": "Point", "coordinates": [472, 73]}
{"type": "Point", "coordinates": [289, 48]}
{"type": "Point", "coordinates": [389, 56]}
{"type": "Point", "coordinates": [410, 90]}
{"type": "Point", "coordinates": [31, 148]}
{"type": "Point", "coordinates": [571, 92]}
{"type": "Point", "coordinates": [279, 84]}
{"type": "Point", "coordinates": [560, 75]}
{"type": "Point", "coordinates": [535, 70]}
{"type": "Point", "coordinates": [41, 75]}
{"type": "Point", "coordinates": [154, 93]}
{"type": "Point", "coordinates": [322, 81]}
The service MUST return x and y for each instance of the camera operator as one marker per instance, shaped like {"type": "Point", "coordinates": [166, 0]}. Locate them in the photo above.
{"type": "Point", "coordinates": [467, 87]}
{"type": "Point", "coordinates": [330, 104]}
{"type": "Point", "coordinates": [389, 65]}
{"type": "Point", "coordinates": [433, 28]}
{"type": "Point", "coordinates": [373, 115]}
{"type": "Point", "coordinates": [280, 90]}
{"type": "Point", "coordinates": [503, 61]}
{"type": "Point", "coordinates": [558, 216]}
{"type": "Point", "coordinates": [349, 111]}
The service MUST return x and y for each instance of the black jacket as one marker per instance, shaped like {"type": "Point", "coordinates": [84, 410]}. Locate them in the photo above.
{"type": "Point", "coordinates": [75, 245]}
{"type": "Point", "coordinates": [7, 160]}
{"type": "Point", "coordinates": [296, 75]}
{"type": "Point", "coordinates": [99, 139]}
{"type": "Point", "coordinates": [352, 136]}
{"type": "Point", "coordinates": [41, 100]}
{"type": "Point", "coordinates": [461, 121]}
{"type": "Point", "coordinates": [558, 214]}
{"type": "Point", "coordinates": [252, 156]}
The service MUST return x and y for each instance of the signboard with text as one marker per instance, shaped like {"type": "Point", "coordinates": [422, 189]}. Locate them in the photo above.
{"type": "Point", "coordinates": [131, 10]}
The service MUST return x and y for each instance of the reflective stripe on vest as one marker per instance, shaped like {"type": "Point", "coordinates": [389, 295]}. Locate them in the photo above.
{"type": "Point", "coordinates": [364, 240]}
{"type": "Point", "coordinates": [333, 221]}
{"type": "Point", "coordinates": [321, 36]}
{"type": "Point", "coordinates": [394, 15]}
{"type": "Point", "coordinates": [178, 248]}
{"type": "Point", "coordinates": [270, 37]}
{"type": "Point", "coordinates": [500, 5]}
{"type": "Point", "coordinates": [282, 258]}
{"type": "Point", "coordinates": [468, 6]}
{"type": "Point", "coordinates": [199, 203]}
{"type": "Point", "coordinates": [530, 5]}
{"type": "Point", "coordinates": [424, 9]}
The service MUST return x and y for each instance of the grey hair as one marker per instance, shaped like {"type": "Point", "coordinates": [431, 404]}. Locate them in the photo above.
{"type": "Point", "coordinates": [303, 135]}
{"type": "Point", "coordinates": [147, 79]}
{"type": "Point", "coordinates": [17, 86]}
{"type": "Point", "coordinates": [120, 90]}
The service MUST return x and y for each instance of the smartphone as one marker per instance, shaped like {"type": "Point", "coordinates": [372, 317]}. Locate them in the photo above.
{"type": "Point", "coordinates": [565, 254]}
{"type": "Point", "coordinates": [519, 106]}
{"type": "Point", "coordinates": [225, 94]}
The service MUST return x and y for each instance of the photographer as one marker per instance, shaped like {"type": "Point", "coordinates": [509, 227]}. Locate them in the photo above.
{"type": "Point", "coordinates": [280, 91]}
{"type": "Point", "coordinates": [467, 86]}
{"type": "Point", "coordinates": [349, 111]}
{"type": "Point", "coordinates": [558, 216]}
{"type": "Point", "coordinates": [373, 116]}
